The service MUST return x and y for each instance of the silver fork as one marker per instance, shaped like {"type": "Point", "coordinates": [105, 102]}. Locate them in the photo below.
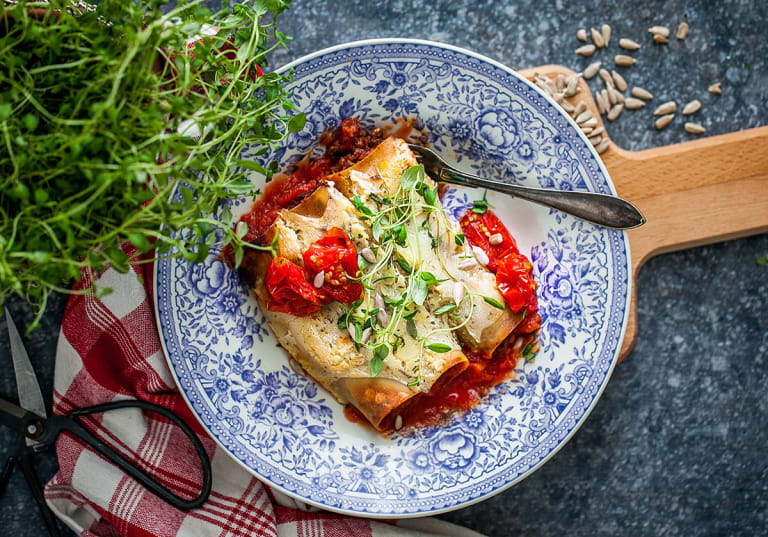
{"type": "Point", "coordinates": [601, 209]}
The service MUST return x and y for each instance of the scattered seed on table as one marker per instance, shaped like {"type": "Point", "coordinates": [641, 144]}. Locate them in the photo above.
{"type": "Point", "coordinates": [589, 123]}
{"type": "Point", "coordinates": [615, 112]}
{"type": "Point", "coordinates": [606, 76]}
{"type": "Point", "coordinates": [587, 130]}
{"type": "Point", "coordinates": [560, 82]}
{"type": "Point", "coordinates": [586, 50]}
{"type": "Point", "coordinates": [617, 95]}
{"type": "Point", "coordinates": [692, 107]}
{"type": "Point", "coordinates": [599, 130]}
{"type": "Point", "coordinates": [603, 146]}
{"type": "Point", "coordinates": [605, 100]}
{"type": "Point", "coordinates": [659, 30]}
{"type": "Point", "coordinates": [580, 108]}
{"type": "Point", "coordinates": [715, 89]}
{"type": "Point", "coordinates": [597, 38]}
{"type": "Point", "coordinates": [668, 107]}
{"type": "Point", "coordinates": [594, 140]}
{"type": "Point", "coordinates": [694, 128]}
{"type": "Point", "coordinates": [583, 117]}
{"type": "Point", "coordinates": [624, 61]}
{"type": "Point", "coordinates": [619, 81]}
{"type": "Point", "coordinates": [633, 104]}
{"type": "Point", "coordinates": [660, 39]}
{"type": "Point", "coordinates": [663, 121]}
{"type": "Point", "coordinates": [628, 44]}
{"type": "Point", "coordinates": [591, 70]}
{"type": "Point", "coordinates": [581, 35]}
{"type": "Point", "coordinates": [682, 30]}
{"type": "Point", "coordinates": [642, 93]}
{"type": "Point", "coordinates": [572, 85]}
{"type": "Point", "coordinates": [568, 107]}
{"type": "Point", "coordinates": [605, 32]}
{"type": "Point", "coordinates": [612, 96]}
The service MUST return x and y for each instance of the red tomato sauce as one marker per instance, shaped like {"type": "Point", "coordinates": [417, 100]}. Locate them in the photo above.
{"type": "Point", "coordinates": [344, 147]}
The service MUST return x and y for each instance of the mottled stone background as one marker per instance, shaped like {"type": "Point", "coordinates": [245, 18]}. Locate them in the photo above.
{"type": "Point", "coordinates": [679, 442]}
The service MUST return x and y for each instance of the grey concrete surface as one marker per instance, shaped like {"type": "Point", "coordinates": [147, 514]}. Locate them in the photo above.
{"type": "Point", "coordinates": [678, 445]}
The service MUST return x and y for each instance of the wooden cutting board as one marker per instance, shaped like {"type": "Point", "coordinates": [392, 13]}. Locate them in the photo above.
{"type": "Point", "coordinates": [699, 192]}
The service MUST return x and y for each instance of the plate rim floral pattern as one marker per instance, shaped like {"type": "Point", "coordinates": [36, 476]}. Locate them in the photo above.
{"type": "Point", "coordinates": [479, 489]}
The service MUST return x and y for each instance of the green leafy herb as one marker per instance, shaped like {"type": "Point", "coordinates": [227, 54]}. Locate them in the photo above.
{"type": "Point", "coordinates": [360, 206]}
{"type": "Point", "coordinates": [410, 327]}
{"type": "Point", "coordinates": [404, 265]}
{"type": "Point", "coordinates": [445, 309]}
{"type": "Point", "coordinates": [420, 290]}
{"type": "Point", "coordinates": [411, 177]}
{"type": "Point", "coordinates": [430, 278]}
{"type": "Point", "coordinates": [494, 303]}
{"type": "Point", "coordinates": [105, 113]}
{"type": "Point", "coordinates": [459, 238]}
{"type": "Point", "coordinates": [480, 206]}
{"type": "Point", "coordinates": [527, 354]}
{"type": "Point", "coordinates": [439, 347]}
{"type": "Point", "coordinates": [379, 353]}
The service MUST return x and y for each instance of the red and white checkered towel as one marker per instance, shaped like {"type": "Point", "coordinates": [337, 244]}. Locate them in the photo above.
{"type": "Point", "coordinates": [109, 349]}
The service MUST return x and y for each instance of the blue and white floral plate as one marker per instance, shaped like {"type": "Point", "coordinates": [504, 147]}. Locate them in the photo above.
{"type": "Point", "coordinates": [280, 426]}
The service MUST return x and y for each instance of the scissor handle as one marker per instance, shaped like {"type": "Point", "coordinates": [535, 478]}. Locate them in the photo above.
{"type": "Point", "coordinates": [55, 424]}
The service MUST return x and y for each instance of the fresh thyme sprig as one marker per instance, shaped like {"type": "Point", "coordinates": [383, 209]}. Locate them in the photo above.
{"type": "Point", "coordinates": [97, 115]}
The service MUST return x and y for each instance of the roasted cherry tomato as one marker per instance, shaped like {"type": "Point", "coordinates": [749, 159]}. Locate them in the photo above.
{"type": "Point", "coordinates": [335, 255]}
{"type": "Point", "coordinates": [515, 282]}
{"type": "Point", "coordinates": [289, 291]}
{"type": "Point", "coordinates": [479, 228]}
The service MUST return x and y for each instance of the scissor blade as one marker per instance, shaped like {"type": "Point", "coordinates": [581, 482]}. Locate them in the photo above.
{"type": "Point", "coordinates": [10, 414]}
{"type": "Point", "coordinates": [30, 396]}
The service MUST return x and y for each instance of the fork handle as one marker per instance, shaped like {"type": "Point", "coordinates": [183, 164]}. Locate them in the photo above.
{"type": "Point", "coordinates": [608, 211]}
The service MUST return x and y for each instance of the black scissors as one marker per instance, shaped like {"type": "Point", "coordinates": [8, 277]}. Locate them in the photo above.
{"type": "Point", "coordinates": [39, 432]}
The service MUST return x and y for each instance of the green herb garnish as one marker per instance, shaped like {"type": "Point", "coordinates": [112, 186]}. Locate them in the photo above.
{"type": "Point", "coordinates": [480, 206]}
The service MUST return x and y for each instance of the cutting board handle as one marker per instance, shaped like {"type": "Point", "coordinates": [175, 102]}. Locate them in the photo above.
{"type": "Point", "coordinates": [698, 192]}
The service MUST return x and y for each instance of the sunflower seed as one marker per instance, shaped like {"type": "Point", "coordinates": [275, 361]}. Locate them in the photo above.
{"type": "Point", "coordinates": [381, 315]}
{"type": "Point", "coordinates": [692, 107]}
{"type": "Point", "coordinates": [612, 96]}
{"type": "Point", "coordinates": [586, 50]}
{"type": "Point", "coordinates": [581, 118]}
{"type": "Point", "coordinates": [560, 82]}
{"type": "Point", "coordinates": [660, 39]}
{"type": "Point", "coordinates": [628, 44]}
{"type": "Point", "coordinates": [368, 255]}
{"type": "Point", "coordinates": [606, 76]}
{"type": "Point", "coordinates": [467, 263]}
{"type": "Point", "coordinates": [591, 70]}
{"type": "Point", "coordinates": [581, 35]}
{"type": "Point", "coordinates": [603, 101]}
{"type": "Point", "coordinates": [642, 93]}
{"type": "Point", "coordinates": [398, 422]}
{"type": "Point", "coordinates": [615, 112]}
{"type": "Point", "coordinates": [668, 107]}
{"type": "Point", "coordinates": [586, 130]}
{"type": "Point", "coordinates": [633, 104]}
{"type": "Point", "coordinates": [366, 336]}
{"type": "Point", "coordinates": [715, 89]}
{"type": "Point", "coordinates": [589, 123]}
{"type": "Point", "coordinates": [599, 130]}
{"type": "Point", "coordinates": [617, 95]}
{"type": "Point", "coordinates": [480, 255]}
{"type": "Point", "coordinates": [605, 31]}
{"type": "Point", "coordinates": [497, 238]}
{"type": "Point", "coordinates": [682, 30]}
{"type": "Point", "coordinates": [459, 292]}
{"type": "Point", "coordinates": [663, 121]}
{"type": "Point", "coordinates": [694, 128]}
{"type": "Point", "coordinates": [594, 140]}
{"type": "Point", "coordinates": [597, 38]}
{"type": "Point", "coordinates": [572, 85]}
{"type": "Point", "coordinates": [603, 146]}
{"type": "Point", "coordinates": [659, 30]}
{"type": "Point", "coordinates": [319, 279]}
{"type": "Point", "coordinates": [351, 330]}
{"type": "Point", "coordinates": [624, 61]}
{"type": "Point", "coordinates": [580, 108]}
{"type": "Point", "coordinates": [568, 107]}
{"type": "Point", "coordinates": [619, 81]}
{"type": "Point", "coordinates": [296, 366]}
